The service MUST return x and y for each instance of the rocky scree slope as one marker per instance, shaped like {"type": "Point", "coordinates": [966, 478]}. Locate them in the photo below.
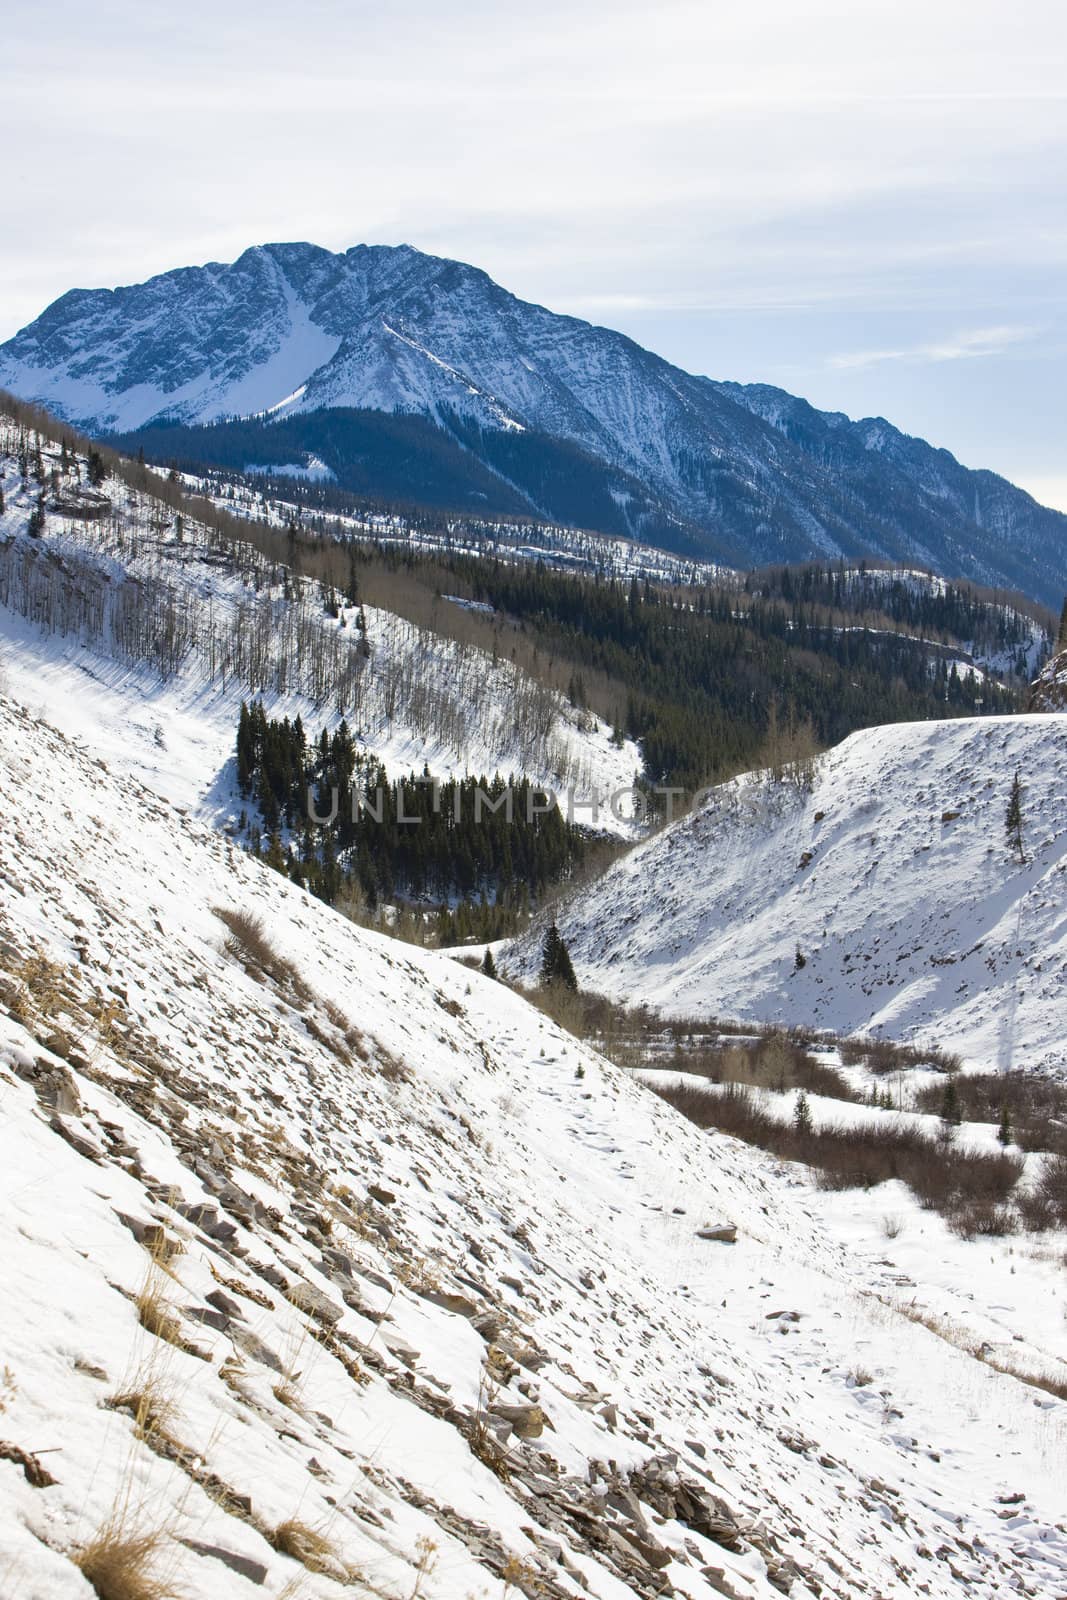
{"type": "Point", "coordinates": [333, 1267]}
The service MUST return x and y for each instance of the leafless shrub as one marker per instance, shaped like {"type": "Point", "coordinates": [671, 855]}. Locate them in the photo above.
{"type": "Point", "coordinates": [943, 1178]}
{"type": "Point", "coordinates": [982, 1219]}
{"type": "Point", "coordinates": [882, 1056]}
{"type": "Point", "coordinates": [1045, 1205]}
{"type": "Point", "coordinates": [250, 944]}
{"type": "Point", "coordinates": [1036, 1106]}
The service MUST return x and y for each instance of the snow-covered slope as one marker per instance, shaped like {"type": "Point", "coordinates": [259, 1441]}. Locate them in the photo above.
{"type": "Point", "coordinates": [1049, 691]}
{"type": "Point", "coordinates": [429, 1305]}
{"type": "Point", "coordinates": [71, 646]}
{"type": "Point", "coordinates": [893, 878]}
{"type": "Point", "coordinates": [540, 411]}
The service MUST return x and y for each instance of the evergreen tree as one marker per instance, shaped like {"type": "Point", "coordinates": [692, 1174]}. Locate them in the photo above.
{"type": "Point", "coordinates": [802, 1125]}
{"type": "Point", "coordinates": [488, 964]}
{"type": "Point", "coordinates": [1004, 1133]}
{"type": "Point", "coordinates": [951, 1116]}
{"type": "Point", "coordinates": [556, 962]}
{"type": "Point", "coordinates": [1013, 820]}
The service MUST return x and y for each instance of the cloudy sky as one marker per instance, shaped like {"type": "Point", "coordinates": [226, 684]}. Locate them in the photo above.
{"type": "Point", "coordinates": [859, 200]}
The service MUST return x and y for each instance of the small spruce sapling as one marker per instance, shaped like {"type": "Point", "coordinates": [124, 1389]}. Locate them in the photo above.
{"type": "Point", "coordinates": [1004, 1133]}
{"type": "Point", "coordinates": [951, 1116]}
{"type": "Point", "coordinates": [1013, 820]}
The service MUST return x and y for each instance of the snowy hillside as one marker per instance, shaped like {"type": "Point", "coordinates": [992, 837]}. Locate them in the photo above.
{"type": "Point", "coordinates": [140, 630]}
{"type": "Point", "coordinates": [339, 1269]}
{"type": "Point", "coordinates": [1050, 689]}
{"type": "Point", "coordinates": [884, 899]}
{"type": "Point", "coordinates": [420, 379]}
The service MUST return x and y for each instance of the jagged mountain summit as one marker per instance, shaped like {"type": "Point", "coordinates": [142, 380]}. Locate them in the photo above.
{"type": "Point", "coordinates": [409, 376]}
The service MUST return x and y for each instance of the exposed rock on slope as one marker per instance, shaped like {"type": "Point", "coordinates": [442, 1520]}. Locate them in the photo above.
{"type": "Point", "coordinates": [325, 1265]}
{"type": "Point", "coordinates": [420, 378]}
{"type": "Point", "coordinates": [1049, 691]}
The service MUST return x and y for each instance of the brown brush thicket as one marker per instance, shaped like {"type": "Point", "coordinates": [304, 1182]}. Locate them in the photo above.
{"type": "Point", "coordinates": [970, 1188]}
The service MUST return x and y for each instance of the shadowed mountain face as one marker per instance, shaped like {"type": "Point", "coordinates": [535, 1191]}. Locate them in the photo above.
{"type": "Point", "coordinates": [409, 376]}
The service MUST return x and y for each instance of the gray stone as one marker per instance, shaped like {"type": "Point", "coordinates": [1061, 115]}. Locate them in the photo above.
{"type": "Point", "coordinates": [244, 1566]}
{"type": "Point", "coordinates": [307, 1298]}
{"type": "Point", "coordinates": [528, 1422]}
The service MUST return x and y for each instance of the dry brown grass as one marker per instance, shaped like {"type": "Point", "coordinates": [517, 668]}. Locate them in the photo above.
{"type": "Point", "coordinates": [37, 991]}
{"type": "Point", "coordinates": [312, 1548]}
{"type": "Point", "coordinates": [152, 1408]}
{"type": "Point", "coordinates": [249, 944]}
{"type": "Point", "coordinates": [154, 1312]}
{"type": "Point", "coordinates": [127, 1562]}
{"type": "Point", "coordinates": [961, 1338]}
{"type": "Point", "coordinates": [1036, 1377]}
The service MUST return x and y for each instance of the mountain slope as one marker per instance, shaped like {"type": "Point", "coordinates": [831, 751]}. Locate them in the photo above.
{"type": "Point", "coordinates": [893, 879]}
{"type": "Point", "coordinates": [435, 1312]}
{"type": "Point", "coordinates": [122, 614]}
{"type": "Point", "coordinates": [515, 408]}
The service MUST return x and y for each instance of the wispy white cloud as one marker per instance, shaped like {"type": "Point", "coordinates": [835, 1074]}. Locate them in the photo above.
{"type": "Point", "coordinates": [969, 345]}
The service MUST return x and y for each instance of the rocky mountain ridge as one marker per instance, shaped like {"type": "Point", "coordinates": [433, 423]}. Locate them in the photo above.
{"type": "Point", "coordinates": [393, 369]}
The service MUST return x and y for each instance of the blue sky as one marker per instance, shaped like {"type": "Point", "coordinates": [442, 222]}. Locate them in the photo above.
{"type": "Point", "coordinates": [861, 202]}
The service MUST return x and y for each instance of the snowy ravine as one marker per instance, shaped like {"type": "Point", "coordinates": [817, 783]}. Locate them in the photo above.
{"type": "Point", "coordinates": [435, 1313]}
{"type": "Point", "coordinates": [891, 876]}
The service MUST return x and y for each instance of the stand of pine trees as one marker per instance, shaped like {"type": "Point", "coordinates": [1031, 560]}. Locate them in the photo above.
{"type": "Point", "coordinates": [694, 675]}
{"type": "Point", "coordinates": [482, 850]}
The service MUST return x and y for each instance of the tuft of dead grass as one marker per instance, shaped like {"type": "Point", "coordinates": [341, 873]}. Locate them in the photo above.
{"type": "Point", "coordinates": [152, 1407]}
{"type": "Point", "coordinates": [312, 1549]}
{"type": "Point", "coordinates": [155, 1315]}
{"type": "Point", "coordinates": [126, 1562]}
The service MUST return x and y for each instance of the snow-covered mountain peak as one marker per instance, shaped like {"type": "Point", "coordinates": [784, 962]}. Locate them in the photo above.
{"type": "Point", "coordinates": [615, 438]}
